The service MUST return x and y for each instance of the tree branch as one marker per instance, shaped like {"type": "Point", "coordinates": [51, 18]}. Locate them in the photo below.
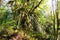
{"type": "Point", "coordinates": [37, 5]}
{"type": "Point", "coordinates": [32, 10]}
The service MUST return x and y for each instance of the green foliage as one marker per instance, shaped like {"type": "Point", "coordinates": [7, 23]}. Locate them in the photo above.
{"type": "Point", "coordinates": [26, 20]}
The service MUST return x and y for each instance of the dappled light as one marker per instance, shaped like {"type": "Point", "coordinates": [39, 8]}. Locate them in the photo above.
{"type": "Point", "coordinates": [29, 20]}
